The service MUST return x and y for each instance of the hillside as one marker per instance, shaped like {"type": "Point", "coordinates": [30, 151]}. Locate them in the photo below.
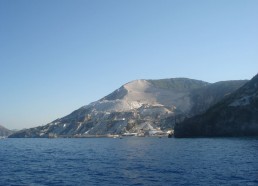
{"type": "Point", "coordinates": [206, 96]}
{"type": "Point", "coordinates": [235, 115]}
{"type": "Point", "coordinates": [4, 131]}
{"type": "Point", "coordinates": [137, 105]}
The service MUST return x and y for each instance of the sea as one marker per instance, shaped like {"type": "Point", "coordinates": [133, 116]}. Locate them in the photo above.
{"type": "Point", "coordinates": [129, 161]}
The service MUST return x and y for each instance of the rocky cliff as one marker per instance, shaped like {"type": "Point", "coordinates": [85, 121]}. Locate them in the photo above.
{"type": "Point", "coordinates": [235, 115]}
{"type": "Point", "coordinates": [137, 105]}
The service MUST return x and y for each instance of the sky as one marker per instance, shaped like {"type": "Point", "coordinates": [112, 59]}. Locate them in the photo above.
{"type": "Point", "coordinates": [56, 56]}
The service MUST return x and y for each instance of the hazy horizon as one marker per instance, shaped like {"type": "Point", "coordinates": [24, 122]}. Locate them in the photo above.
{"type": "Point", "coordinates": [57, 56]}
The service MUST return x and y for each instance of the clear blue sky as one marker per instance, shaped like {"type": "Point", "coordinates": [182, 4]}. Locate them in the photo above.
{"type": "Point", "coordinates": [58, 55]}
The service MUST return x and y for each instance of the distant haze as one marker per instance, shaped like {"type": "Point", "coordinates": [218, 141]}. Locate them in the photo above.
{"type": "Point", "coordinates": [57, 56]}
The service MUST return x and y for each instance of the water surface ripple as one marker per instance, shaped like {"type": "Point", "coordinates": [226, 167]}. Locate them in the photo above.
{"type": "Point", "coordinates": [129, 161]}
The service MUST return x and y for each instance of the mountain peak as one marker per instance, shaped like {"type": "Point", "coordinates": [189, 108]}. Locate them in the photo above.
{"type": "Point", "coordinates": [139, 104]}
{"type": "Point", "coordinates": [137, 84]}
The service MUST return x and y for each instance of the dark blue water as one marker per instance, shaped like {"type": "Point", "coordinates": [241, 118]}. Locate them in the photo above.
{"type": "Point", "coordinates": [129, 161]}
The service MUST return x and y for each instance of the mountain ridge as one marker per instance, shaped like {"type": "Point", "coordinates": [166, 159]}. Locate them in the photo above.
{"type": "Point", "coordinates": [135, 105]}
{"type": "Point", "coordinates": [235, 115]}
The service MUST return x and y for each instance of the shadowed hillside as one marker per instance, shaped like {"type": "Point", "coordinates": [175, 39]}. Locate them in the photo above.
{"type": "Point", "coordinates": [4, 131]}
{"type": "Point", "coordinates": [235, 115]}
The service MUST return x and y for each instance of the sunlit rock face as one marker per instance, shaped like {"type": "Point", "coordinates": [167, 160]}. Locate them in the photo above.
{"type": "Point", "coordinates": [138, 105]}
{"type": "Point", "coordinates": [235, 115]}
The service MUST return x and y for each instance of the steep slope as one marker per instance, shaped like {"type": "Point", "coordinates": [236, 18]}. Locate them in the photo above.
{"type": "Point", "coordinates": [209, 95]}
{"type": "Point", "coordinates": [140, 92]}
{"type": "Point", "coordinates": [202, 99]}
{"type": "Point", "coordinates": [140, 104]}
{"type": "Point", "coordinates": [4, 131]}
{"type": "Point", "coordinates": [235, 115]}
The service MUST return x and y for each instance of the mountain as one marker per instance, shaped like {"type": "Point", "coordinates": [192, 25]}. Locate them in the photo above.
{"type": "Point", "coordinates": [4, 131]}
{"type": "Point", "coordinates": [137, 105]}
{"type": "Point", "coordinates": [235, 115]}
{"type": "Point", "coordinates": [209, 95]}
{"type": "Point", "coordinates": [202, 99]}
